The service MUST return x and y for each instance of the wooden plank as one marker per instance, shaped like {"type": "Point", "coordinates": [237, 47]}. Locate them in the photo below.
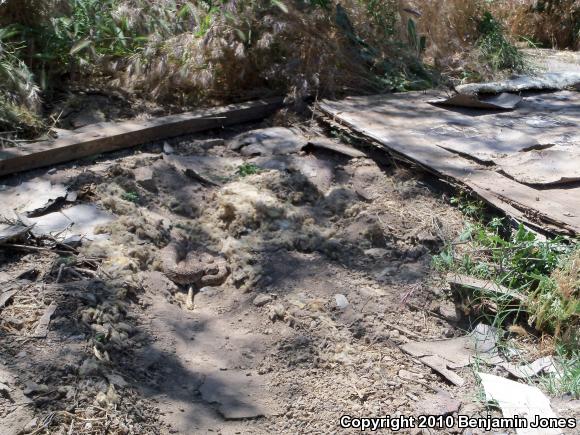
{"type": "Point", "coordinates": [41, 330]}
{"type": "Point", "coordinates": [403, 125]}
{"type": "Point", "coordinates": [464, 281]}
{"type": "Point", "coordinates": [116, 136]}
{"type": "Point", "coordinates": [332, 145]}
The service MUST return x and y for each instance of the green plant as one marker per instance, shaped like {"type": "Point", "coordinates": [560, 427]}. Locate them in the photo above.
{"type": "Point", "coordinates": [546, 271]}
{"type": "Point", "coordinates": [495, 47]}
{"type": "Point", "coordinates": [131, 196]}
{"type": "Point", "coordinates": [246, 169]}
{"type": "Point", "coordinates": [16, 81]}
{"type": "Point", "coordinates": [566, 377]}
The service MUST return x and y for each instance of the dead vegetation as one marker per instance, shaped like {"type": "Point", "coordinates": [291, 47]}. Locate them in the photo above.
{"type": "Point", "coordinates": [180, 54]}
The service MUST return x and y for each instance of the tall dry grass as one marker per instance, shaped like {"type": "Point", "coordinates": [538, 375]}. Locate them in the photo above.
{"type": "Point", "coordinates": [188, 52]}
{"type": "Point", "coordinates": [547, 23]}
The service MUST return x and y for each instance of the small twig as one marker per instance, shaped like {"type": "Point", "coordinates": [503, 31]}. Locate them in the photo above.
{"type": "Point", "coordinates": [33, 248]}
{"type": "Point", "coordinates": [59, 275]}
{"type": "Point", "coordinates": [404, 331]}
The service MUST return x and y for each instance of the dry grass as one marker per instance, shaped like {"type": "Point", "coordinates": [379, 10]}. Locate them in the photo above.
{"type": "Point", "coordinates": [548, 23]}
{"type": "Point", "coordinates": [242, 49]}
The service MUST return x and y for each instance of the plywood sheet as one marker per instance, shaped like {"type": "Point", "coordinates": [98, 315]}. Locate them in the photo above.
{"type": "Point", "coordinates": [554, 165]}
{"type": "Point", "coordinates": [406, 125]}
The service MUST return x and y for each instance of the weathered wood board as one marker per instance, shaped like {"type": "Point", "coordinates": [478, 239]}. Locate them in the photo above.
{"type": "Point", "coordinates": [108, 137]}
{"type": "Point", "coordinates": [408, 126]}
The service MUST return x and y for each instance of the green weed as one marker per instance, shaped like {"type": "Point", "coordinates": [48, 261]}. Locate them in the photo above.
{"type": "Point", "coordinates": [495, 47]}
{"type": "Point", "coordinates": [246, 169]}
{"type": "Point", "coordinates": [545, 270]}
{"type": "Point", "coordinates": [566, 378]}
{"type": "Point", "coordinates": [131, 197]}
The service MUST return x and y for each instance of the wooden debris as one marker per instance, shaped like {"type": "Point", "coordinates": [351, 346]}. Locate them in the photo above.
{"type": "Point", "coordinates": [503, 101]}
{"type": "Point", "coordinates": [468, 282]}
{"type": "Point", "coordinates": [6, 296]}
{"type": "Point", "coordinates": [329, 144]}
{"type": "Point", "coordinates": [441, 366]}
{"type": "Point", "coordinates": [115, 136]}
{"type": "Point", "coordinates": [411, 129]}
{"type": "Point", "coordinates": [41, 330]}
{"type": "Point", "coordinates": [8, 232]}
{"type": "Point", "coordinates": [528, 370]}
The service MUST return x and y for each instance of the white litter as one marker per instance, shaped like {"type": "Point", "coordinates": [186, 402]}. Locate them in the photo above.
{"type": "Point", "coordinates": [521, 400]}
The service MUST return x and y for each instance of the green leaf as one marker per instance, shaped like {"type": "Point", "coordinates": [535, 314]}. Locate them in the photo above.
{"type": "Point", "coordinates": [81, 45]}
{"type": "Point", "coordinates": [280, 5]}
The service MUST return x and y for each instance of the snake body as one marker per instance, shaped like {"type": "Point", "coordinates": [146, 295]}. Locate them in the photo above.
{"type": "Point", "coordinates": [192, 267]}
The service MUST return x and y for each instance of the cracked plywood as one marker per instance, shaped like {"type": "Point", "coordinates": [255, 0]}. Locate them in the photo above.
{"type": "Point", "coordinates": [408, 126]}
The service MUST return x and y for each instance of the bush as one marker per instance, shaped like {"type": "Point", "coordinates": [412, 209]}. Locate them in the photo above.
{"type": "Point", "coordinates": [496, 49]}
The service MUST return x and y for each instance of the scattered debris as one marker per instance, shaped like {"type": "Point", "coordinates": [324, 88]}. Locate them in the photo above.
{"type": "Point", "coordinates": [9, 232]}
{"type": "Point", "coordinates": [545, 364]}
{"type": "Point", "coordinates": [467, 282]}
{"type": "Point", "coordinates": [261, 300]}
{"type": "Point", "coordinates": [268, 141]}
{"type": "Point", "coordinates": [81, 219]}
{"type": "Point", "coordinates": [168, 149]}
{"type": "Point", "coordinates": [521, 400]}
{"type": "Point", "coordinates": [41, 330]}
{"type": "Point", "coordinates": [457, 352]}
{"type": "Point", "coordinates": [31, 198]}
{"type": "Point", "coordinates": [341, 301]}
{"type": "Point", "coordinates": [503, 101]}
{"type": "Point", "coordinates": [441, 366]}
{"type": "Point", "coordinates": [145, 178]}
{"type": "Point", "coordinates": [6, 296]}
{"type": "Point", "coordinates": [332, 145]}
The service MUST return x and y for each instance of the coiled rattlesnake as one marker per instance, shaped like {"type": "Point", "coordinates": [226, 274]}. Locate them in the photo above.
{"type": "Point", "coordinates": [193, 268]}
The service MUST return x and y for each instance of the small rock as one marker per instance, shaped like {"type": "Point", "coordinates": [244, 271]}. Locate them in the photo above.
{"type": "Point", "coordinates": [394, 334]}
{"type": "Point", "coordinates": [277, 311]}
{"type": "Point", "coordinates": [261, 300]}
{"type": "Point", "coordinates": [116, 380]}
{"type": "Point", "coordinates": [32, 387]}
{"type": "Point", "coordinates": [168, 149]}
{"type": "Point", "coordinates": [376, 252]}
{"type": "Point", "coordinates": [144, 178]}
{"type": "Point", "coordinates": [89, 367]}
{"type": "Point", "coordinates": [341, 301]}
{"type": "Point", "coordinates": [438, 404]}
{"type": "Point", "coordinates": [31, 426]}
{"type": "Point", "coordinates": [449, 311]}
{"type": "Point", "coordinates": [386, 273]}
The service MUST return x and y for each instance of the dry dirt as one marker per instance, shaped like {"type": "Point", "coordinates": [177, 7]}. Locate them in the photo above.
{"type": "Point", "coordinates": [276, 348]}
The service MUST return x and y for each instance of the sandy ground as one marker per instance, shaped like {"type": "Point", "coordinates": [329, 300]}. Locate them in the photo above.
{"type": "Point", "coordinates": [329, 272]}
